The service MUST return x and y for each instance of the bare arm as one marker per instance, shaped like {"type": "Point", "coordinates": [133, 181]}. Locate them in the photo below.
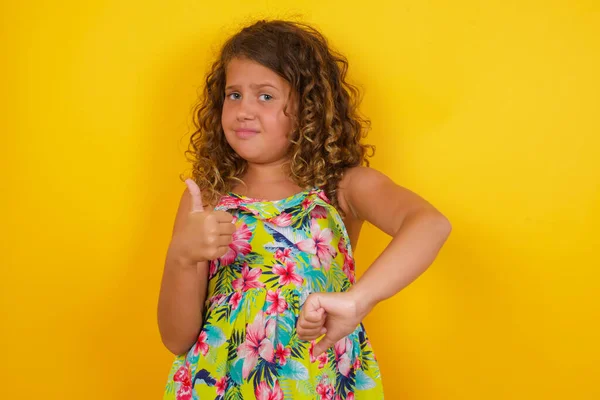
{"type": "Point", "coordinates": [418, 232]}
{"type": "Point", "coordinates": [417, 228]}
{"type": "Point", "coordinates": [182, 293]}
{"type": "Point", "coordinates": [198, 236]}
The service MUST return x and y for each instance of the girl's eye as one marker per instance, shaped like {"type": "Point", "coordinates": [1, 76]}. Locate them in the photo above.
{"type": "Point", "coordinates": [234, 96]}
{"type": "Point", "coordinates": [265, 97]}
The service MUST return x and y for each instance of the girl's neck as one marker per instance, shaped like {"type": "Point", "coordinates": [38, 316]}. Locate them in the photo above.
{"type": "Point", "coordinates": [266, 173]}
{"type": "Point", "coordinates": [267, 181]}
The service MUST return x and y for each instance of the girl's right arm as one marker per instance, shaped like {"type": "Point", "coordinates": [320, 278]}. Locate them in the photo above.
{"type": "Point", "coordinates": [198, 236]}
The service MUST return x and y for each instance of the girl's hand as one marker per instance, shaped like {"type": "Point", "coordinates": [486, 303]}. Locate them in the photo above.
{"type": "Point", "coordinates": [205, 235]}
{"type": "Point", "coordinates": [334, 314]}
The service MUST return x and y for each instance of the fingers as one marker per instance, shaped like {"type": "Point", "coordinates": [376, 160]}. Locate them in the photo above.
{"type": "Point", "coordinates": [196, 195]}
{"type": "Point", "coordinates": [311, 323]}
{"type": "Point", "coordinates": [314, 318]}
{"type": "Point", "coordinates": [312, 334]}
{"type": "Point", "coordinates": [223, 216]}
{"type": "Point", "coordinates": [312, 305]}
{"type": "Point", "coordinates": [220, 252]}
{"type": "Point", "coordinates": [225, 240]}
{"type": "Point", "coordinates": [322, 345]}
{"type": "Point", "coordinates": [226, 228]}
{"type": "Point", "coordinates": [219, 223]}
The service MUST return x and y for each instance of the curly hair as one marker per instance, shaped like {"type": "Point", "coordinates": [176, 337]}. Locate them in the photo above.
{"type": "Point", "coordinates": [326, 139]}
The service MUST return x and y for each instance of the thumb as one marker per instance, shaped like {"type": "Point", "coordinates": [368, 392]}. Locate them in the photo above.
{"type": "Point", "coordinates": [313, 303]}
{"type": "Point", "coordinates": [322, 345]}
{"type": "Point", "coordinates": [196, 195]}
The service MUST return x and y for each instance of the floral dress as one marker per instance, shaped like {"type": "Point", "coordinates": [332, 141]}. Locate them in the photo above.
{"type": "Point", "coordinates": [248, 346]}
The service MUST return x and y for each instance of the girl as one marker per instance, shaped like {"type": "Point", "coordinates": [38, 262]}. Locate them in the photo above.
{"type": "Point", "coordinates": [261, 264]}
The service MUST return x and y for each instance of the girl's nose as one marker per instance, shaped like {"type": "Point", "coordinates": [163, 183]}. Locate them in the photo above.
{"type": "Point", "coordinates": [245, 110]}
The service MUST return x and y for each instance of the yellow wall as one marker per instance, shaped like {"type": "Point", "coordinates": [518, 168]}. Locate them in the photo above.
{"type": "Point", "coordinates": [488, 109]}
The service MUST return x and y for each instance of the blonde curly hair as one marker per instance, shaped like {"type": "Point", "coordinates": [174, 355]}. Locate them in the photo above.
{"type": "Point", "coordinates": [328, 129]}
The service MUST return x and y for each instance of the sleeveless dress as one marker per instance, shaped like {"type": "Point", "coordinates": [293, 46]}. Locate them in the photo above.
{"type": "Point", "coordinates": [248, 347]}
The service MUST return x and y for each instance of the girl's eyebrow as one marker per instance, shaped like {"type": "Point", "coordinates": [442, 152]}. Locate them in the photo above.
{"type": "Point", "coordinates": [254, 86]}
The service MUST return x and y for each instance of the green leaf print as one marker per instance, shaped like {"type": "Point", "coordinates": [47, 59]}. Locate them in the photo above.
{"type": "Point", "coordinates": [236, 339]}
{"type": "Point", "coordinates": [236, 372]}
{"type": "Point", "coordinates": [316, 281]}
{"type": "Point", "coordinates": [286, 326]}
{"type": "Point", "coordinates": [306, 387]}
{"type": "Point", "coordinates": [294, 370]}
{"type": "Point", "coordinates": [264, 371]}
{"type": "Point", "coordinates": [221, 368]}
{"type": "Point", "coordinates": [249, 301]}
{"type": "Point", "coordinates": [254, 259]}
{"type": "Point", "coordinates": [225, 278]}
{"type": "Point", "coordinates": [286, 388]}
{"type": "Point", "coordinates": [214, 336]}
{"type": "Point", "coordinates": [223, 313]}
{"type": "Point", "coordinates": [298, 346]}
{"type": "Point", "coordinates": [233, 393]}
{"type": "Point", "coordinates": [336, 278]}
{"type": "Point", "coordinates": [363, 381]}
{"type": "Point", "coordinates": [366, 356]}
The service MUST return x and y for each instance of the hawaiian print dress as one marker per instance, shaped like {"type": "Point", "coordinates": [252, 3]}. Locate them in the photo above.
{"type": "Point", "coordinates": [248, 347]}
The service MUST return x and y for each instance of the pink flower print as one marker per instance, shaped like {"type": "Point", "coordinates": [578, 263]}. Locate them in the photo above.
{"type": "Point", "coordinates": [323, 359]}
{"type": "Point", "coordinates": [264, 392]}
{"type": "Point", "coordinates": [278, 302]}
{"type": "Point", "coordinates": [201, 345]}
{"type": "Point", "coordinates": [325, 391]}
{"type": "Point", "coordinates": [235, 300]}
{"type": "Point", "coordinates": [212, 268]}
{"type": "Point", "coordinates": [318, 212]}
{"type": "Point", "coordinates": [350, 396]}
{"type": "Point", "coordinates": [230, 202]}
{"type": "Point", "coordinates": [283, 255]}
{"type": "Point", "coordinates": [319, 245]}
{"type": "Point", "coordinates": [348, 269]}
{"type": "Point", "coordinates": [287, 274]}
{"type": "Point", "coordinates": [282, 353]}
{"type": "Point", "coordinates": [356, 364]}
{"type": "Point", "coordinates": [342, 348]}
{"type": "Point", "coordinates": [258, 343]}
{"type": "Point", "coordinates": [248, 280]}
{"type": "Point", "coordinates": [311, 351]}
{"type": "Point", "coordinates": [323, 196]}
{"type": "Point", "coordinates": [183, 376]}
{"type": "Point", "coordinates": [342, 246]}
{"type": "Point", "coordinates": [349, 266]}
{"type": "Point", "coordinates": [283, 219]}
{"type": "Point", "coordinates": [239, 246]}
{"type": "Point", "coordinates": [218, 299]}
{"type": "Point", "coordinates": [221, 385]}
{"type": "Point", "coordinates": [306, 202]}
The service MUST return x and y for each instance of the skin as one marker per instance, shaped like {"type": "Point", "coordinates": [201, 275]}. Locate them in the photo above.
{"type": "Point", "coordinates": [256, 98]}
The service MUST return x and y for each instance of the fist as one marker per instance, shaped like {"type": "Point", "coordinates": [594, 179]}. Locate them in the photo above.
{"type": "Point", "coordinates": [205, 235]}
{"type": "Point", "coordinates": [334, 314]}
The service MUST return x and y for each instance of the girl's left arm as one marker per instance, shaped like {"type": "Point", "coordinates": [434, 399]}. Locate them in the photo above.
{"type": "Point", "coordinates": [418, 232]}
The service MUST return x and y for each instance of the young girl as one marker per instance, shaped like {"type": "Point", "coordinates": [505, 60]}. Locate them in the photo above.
{"type": "Point", "coordinates": [258, 297]}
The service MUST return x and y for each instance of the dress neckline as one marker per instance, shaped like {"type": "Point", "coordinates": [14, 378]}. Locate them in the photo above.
{"type": "Point", "coordinates": [248, 199]}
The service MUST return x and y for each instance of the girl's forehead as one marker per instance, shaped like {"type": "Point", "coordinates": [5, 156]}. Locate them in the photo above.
{"type": "Point", "coordinates": [249, 72]}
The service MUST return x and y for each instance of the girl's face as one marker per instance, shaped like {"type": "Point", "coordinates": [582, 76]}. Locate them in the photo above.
{"type": "Point", "coordinates": [253, 116]}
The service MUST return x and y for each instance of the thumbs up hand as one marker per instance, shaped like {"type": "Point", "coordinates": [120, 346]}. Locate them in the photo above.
{"type": "Point", "coordinates": [205, 235]}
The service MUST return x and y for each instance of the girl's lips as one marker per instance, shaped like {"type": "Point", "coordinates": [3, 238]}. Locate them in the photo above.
{"type": "Point", "coordinates": [245, 133]}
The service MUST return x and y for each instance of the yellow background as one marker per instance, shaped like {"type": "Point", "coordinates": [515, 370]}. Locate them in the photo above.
{"type": "Point", "coordinates": [487, 109]}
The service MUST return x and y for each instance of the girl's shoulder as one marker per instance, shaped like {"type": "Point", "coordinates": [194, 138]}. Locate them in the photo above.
{"type": "Point", "coordinates": [359, 182]}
